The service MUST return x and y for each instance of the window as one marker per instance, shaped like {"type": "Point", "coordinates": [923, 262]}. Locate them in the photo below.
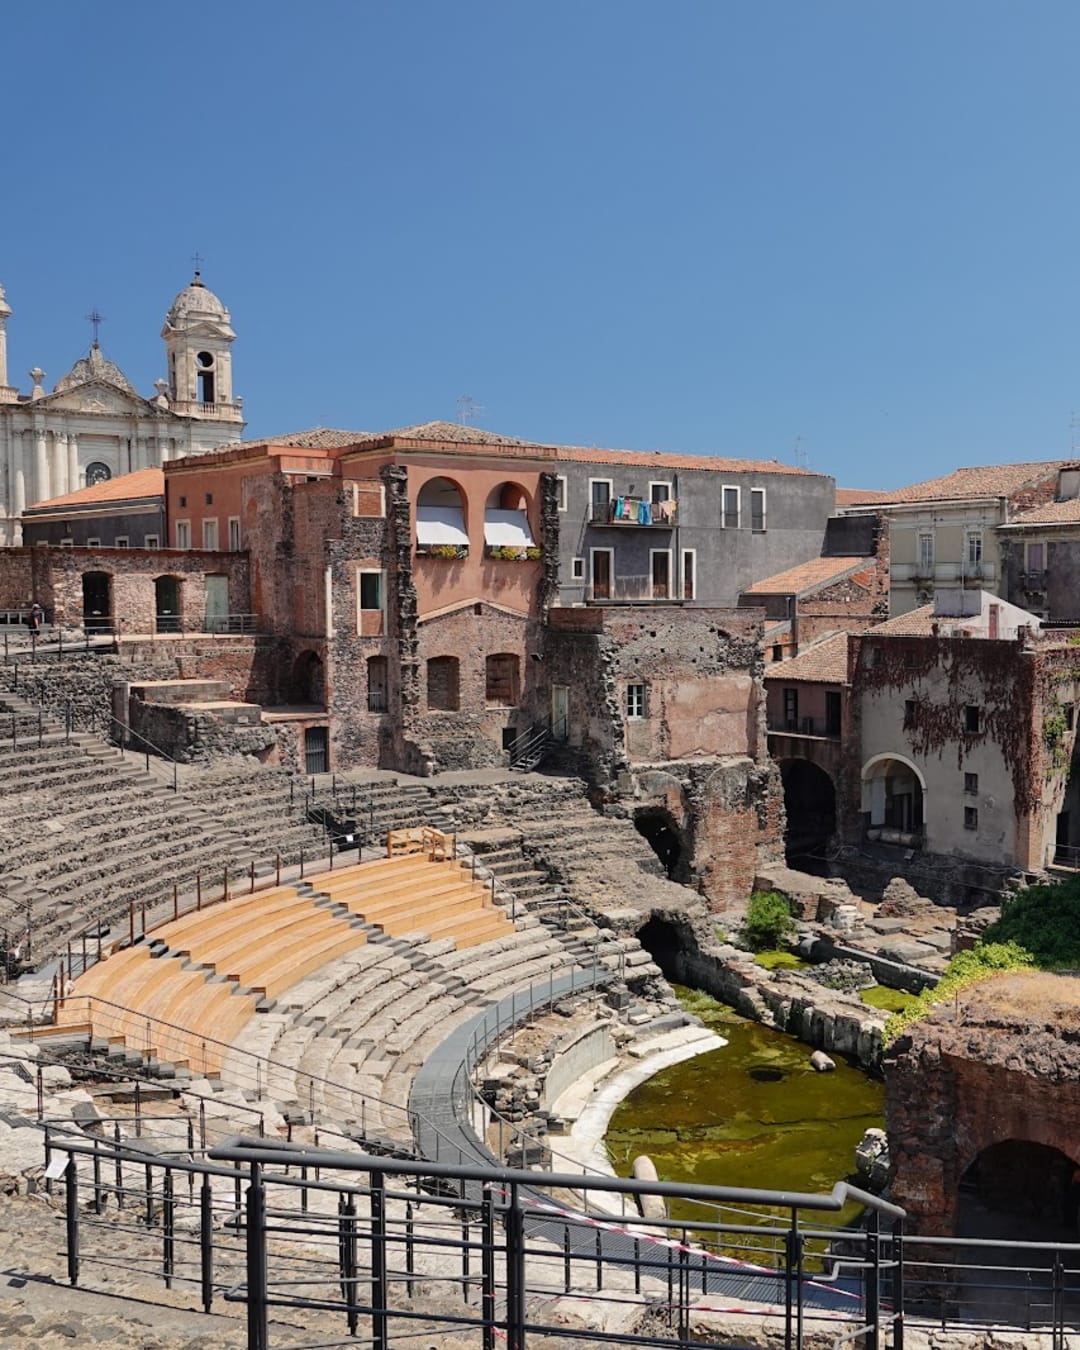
{"type": "Point", "coordinates": [97, 472]}
{"type": "Point", "coordinates": [210, 534]}
{"type": "Point", "coordinates": [183, 534]}
{"type": "Point", "coordinates": [209, 499]}
{"type": "Point", "coordinates": [971, 784]}
{"type": "Point", "coordinates": [635, 702]}
{"type": "Point", "coordinates": [443, 683]}
{"type": "Point", "coordinates": [909, 713]}
{"type": "Point", "coordinates": [121, 541]}
{"type": "Point", "coordinates": [926, 552]}
{"type": "Point", "coordinates": [602, 565]}
{"type": "Point", "coordinates": [777, 652]}
{"type": "Point", "coordinates": [757, 510]}
{"type": "Point", "coordinates": [600, 499]}
{"type": "Point", "coordinates": [560, 491]}
{"type": "Point", "coordinates": [151, 541]}
{"type": "Point", "coordinates": [501, 679]}
{"type": "Point", "coordinates": [577, 569]}
{"type": "Point", "coordinates": [833, 713]}
{"type": "Point", "coordinates": [731, 508]}
{"type": "Point", "coordinates": [205, 373]}
{"type": "Point", "coordinates": [660, 574]}
{"type": "Point", "coordinates": [67, 542]}
{"type": "Point", "coordinates": [660, 492]}
{"type": "Point", "coordinates": [376, 684]}
{"type": "Point", "coordinates": [972, 719]}
{"type": "Point", "coordinates": [183, 501]}
{"type": "Point", "coordinates": [971, 818]}
{"type": "Point", "coordinates": [1069, 713]}
{"type": "Point", "coordinates": [1035, 557]}
{"type": "Point", "coordinates": [371, 590]}
{"type": "Point", "coordinates": [791, 709]}
{"type": "Point", "coordinates": [93, 542]}
{"type": "Point", "coordinates": [689, 574]}
{"type": "Point", "coordinates": [234, 534]}
{"type": "Point", "coordinates": [973, 548]}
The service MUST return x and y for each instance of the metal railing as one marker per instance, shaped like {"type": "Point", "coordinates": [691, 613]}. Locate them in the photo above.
{"type": "Point", "coordinates": [804, 726]}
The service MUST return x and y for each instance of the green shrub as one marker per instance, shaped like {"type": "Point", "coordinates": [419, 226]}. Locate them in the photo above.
{"type": "Point", "coordinates": [966, 968]}
{"type": "Point", "coordinates": [1045, 920]}
{"type": "Point", "coordinates": [768, 921]}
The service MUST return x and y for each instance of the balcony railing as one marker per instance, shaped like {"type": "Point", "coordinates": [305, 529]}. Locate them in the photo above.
{"type": "Point", "coordinates": [447, 552]}
{"type": "Point", "coordinates": [1033, 581]}
{"type": "Point", "coordinates": [804, 726]}
{"type": "Point", "coordinates": [634, 512]}
{"type": "Point", "coordinates": [630, 590]}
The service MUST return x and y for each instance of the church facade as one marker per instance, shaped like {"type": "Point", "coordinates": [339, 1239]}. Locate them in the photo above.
{"type": "Point", "coordinates": [94, 425]}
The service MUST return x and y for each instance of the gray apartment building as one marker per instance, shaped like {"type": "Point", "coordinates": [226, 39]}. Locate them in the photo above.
{"type": "Point", "coordinates": [641, 526]}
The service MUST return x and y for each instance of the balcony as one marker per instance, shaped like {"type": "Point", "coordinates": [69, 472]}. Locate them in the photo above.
{"type": "Point", "coordinates": [640, 590]}
{"type": "Point", "coordinates": [446, 552]}
{"type": "Point", "coordinates": [634, 513]}
{"type": "Point", "coordinates": [1033, 581]}
{"type": "Point", "coordinates": [804, 726]}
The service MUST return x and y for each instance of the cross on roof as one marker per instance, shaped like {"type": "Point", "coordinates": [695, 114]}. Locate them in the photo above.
{"type": "Point", "coordinates": [96, 320]}
{"type": "Point", "coordinates": [198, 260]}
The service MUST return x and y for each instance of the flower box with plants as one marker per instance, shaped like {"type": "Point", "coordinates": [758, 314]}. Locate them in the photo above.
{"type": "Point", "coordinates": [512, 553]}
{"type": "Point", "coordinates": [449, 552]}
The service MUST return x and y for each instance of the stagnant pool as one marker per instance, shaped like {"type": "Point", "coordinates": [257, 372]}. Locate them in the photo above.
{"type": "Point", "coordinates": [751, 1114]}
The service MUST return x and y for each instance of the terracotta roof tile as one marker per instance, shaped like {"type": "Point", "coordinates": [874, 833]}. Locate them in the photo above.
{"type": "Point", "coordinates": [141, 483]}
{"type": "Point", "coordinates": [1051, 513]}
{"type": "Point", "coordinates": [855, 496]}
{"type": "Point", "coordinates": [823, 663]}
{"type": "Point", "coordinates": [816, 572]}
{"type": "Point", "coordinates": [987, 480]}
{"type": "Point", "coordinates": [916, 622]}
{"type": "Point", "coordinates": [662, 460]}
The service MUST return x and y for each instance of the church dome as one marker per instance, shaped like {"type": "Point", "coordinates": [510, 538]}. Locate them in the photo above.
{"type": "Point", "coordinates": [196, 301]}
{"type": "Point", "coordinates": [96, 366]}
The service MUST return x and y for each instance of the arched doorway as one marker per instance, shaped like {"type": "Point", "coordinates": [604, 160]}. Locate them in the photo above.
{"type": "Point", "coordinates": [660, 938]}
{"type": "Point", "coordinates": [893, 800]}
{"type": "Point", "coordinates": [97, 601]}
{"type": "Point", "coordinates": [1020, 1189]}
{"type": "Point", "coordinates": [308, 683]}
{"type": "Point", "coordinates": [167, 604]}
{"type": "Point", "coordinates": [810, 807]}
{"type": "Point", "coordinates": [657, 826]}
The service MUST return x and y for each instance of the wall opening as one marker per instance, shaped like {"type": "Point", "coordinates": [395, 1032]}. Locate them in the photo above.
{"type": "Point", "coordinates": [893, 801]}
{"type": "Point", "coordinates": [810, 807]}
{"type": "Point", "coordinates": [308, 682]}
{"type": "Point", "coordinates": [167, 604]}
{"type": "Point", "coordinates": [661, 940]}
{"type": "Point", "coordinates": [443, 684]}
{"type": "Point", "coordinates": [658, 828]}
{"type": "Point", "coordinates": [97, 601]}
{"type": "Point", "coordinates": [205, 362]}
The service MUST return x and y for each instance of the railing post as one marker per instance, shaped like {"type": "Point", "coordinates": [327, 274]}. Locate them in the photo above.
{"type": "Point", "coordinates": [515, 1272]}
{"type": "Point", "coordinates": [168, 1242]}
{"type": "Point", "coordinates": [379, 1329]}
{"type": "Point", "coordinates": [71, 1219]}
{"type": "Point", "coordinates": [347, 1244]}
{"type": "Point", "coordinates": [206, 1242]}
{"type": "Point", "coordinates": [257, 1322]}
{"type": "Point", "coordinates": [873, 1280]}
{"type": "Point", "coordinates": [487, 1268]}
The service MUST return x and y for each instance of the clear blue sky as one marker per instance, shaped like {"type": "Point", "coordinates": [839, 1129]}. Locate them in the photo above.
{"type": "Point", "coordinates": [699, 225]}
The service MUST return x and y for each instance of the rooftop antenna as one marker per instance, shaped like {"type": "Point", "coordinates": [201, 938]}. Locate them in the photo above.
{"type": "Point", "coordinates": [468, 409]}
{"type": "Point", "coordinates": [798, 454]}
{"type": "Point", "coordinates": [95, 320]}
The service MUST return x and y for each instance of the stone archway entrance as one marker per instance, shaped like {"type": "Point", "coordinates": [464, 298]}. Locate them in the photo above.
{"type": "Point", "coordinates": [661, 940]}
{"type": "Point", "coordinates": [97, 601]}
{"type": "Point", "coordinates": [810, 808]}
{"type": "Point", "coordinates": [1022, 1190]}
{"type": "Point", "coordinates": [893, 801]}
{"type": "Point", "coordinates": [657, 826]}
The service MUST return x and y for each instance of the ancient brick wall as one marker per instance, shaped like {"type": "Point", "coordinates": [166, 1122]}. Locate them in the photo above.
{"type": "Point", "coordinates": [17, 581]}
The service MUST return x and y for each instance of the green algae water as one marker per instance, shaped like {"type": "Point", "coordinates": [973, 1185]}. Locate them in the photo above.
{"type": "Point", "coordinates": [753, 1113]}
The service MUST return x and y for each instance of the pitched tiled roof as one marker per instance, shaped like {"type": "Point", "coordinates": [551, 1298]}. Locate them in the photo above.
{"type": "Point", "coordinates": [660, 459]}
{"type": "Point", "coordinates": [816, 572]}
{"type": "Point", "coordinates": [987, 480]}
{"type": "Point", "coordinates": [855, 496]}
{"type": "Point", "coordinates": [457, 434]}
{"type": "Point", "coordinates": [916, 622]}
{"type": "Point", "coordinates": [1051, 513]}
{"type": "Point", "coordinates": [823, 663]}
{"type": "Point", "coordinates": [141, 483]}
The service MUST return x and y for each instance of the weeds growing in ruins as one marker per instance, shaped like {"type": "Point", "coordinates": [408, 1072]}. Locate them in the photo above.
{"type": "Point", "coordinates": [768, 921]}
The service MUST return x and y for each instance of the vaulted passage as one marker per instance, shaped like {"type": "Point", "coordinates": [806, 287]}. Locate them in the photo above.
{"type": "Point", "coordinates": [810, 806]}
{"type": "Point", "coordinates": [661, 940]}
{"type": "Point", "coordinates": [1020, 1189]}
{"type": "Point", "coordinates": [664, 837]}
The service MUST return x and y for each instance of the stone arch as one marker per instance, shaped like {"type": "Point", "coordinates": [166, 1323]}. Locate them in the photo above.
{"type": "Point", "coordinates": [308, 682]}
{"type": "Point", "coordinates": [893, 799]}
{"type": "Point", "coordinates": [1019, 1181]}
{"type": "Point", "coordinates": [508, 496]}
{"type": "Point", "coordinates": [658, 827]}
{"type": "Point", "coordinates": [168, 604]}
{"type": "Point", "coordinates": [664, 943]}
{"type": "Point", "coordinates": [810, 811]}
{"type": "Point", "coordinates": [97, 596]}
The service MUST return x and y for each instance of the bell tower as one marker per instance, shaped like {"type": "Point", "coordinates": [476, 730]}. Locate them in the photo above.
{"type": "Point", "coordinates": [198, 338]}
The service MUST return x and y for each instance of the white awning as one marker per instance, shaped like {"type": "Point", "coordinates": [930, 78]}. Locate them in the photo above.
{"type": "Point", "coordinates": [507, 529]}
{"type": "Point", "coordinates": [440, 525]}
